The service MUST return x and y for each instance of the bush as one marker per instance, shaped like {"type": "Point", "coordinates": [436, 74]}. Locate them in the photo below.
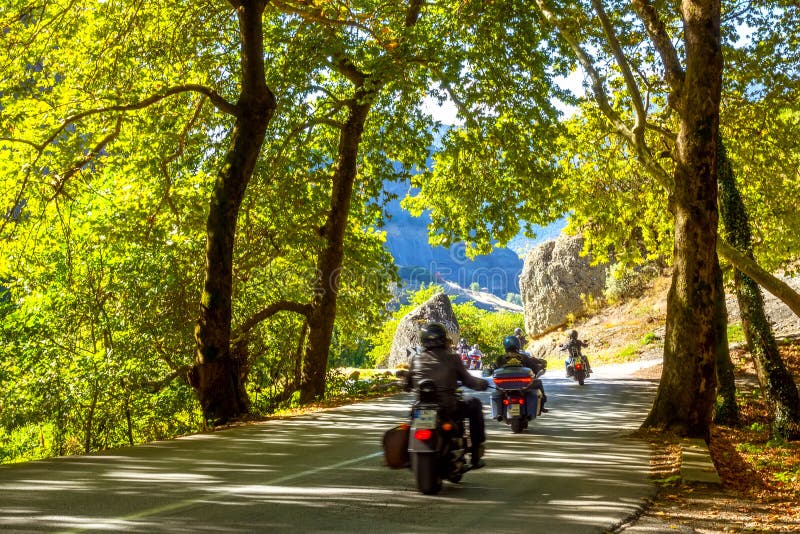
{"type": "Point", "coordinates": [624, 283]}
{"type": "Point", "coordinates": [514, 298]}
{"type": "Point", "coordinates": [486, 328]}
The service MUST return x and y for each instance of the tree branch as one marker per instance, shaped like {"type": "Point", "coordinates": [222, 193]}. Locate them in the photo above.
{"type": "Point", "coordinates": [658, 33]}
{"type": "Point", "coordinates": [462, 107]}
{"type": "Point", "coordinates": [627, 74]}
{"type": "Point", "coordinates": [221, 104]}
{"type": "Point", "coordinates": [78, 165]}
{"type": "Point", "coordinates": [413, 11]}
{"type": "Point", "coordinates": [269, 311]}
{"type": "Point", "coordinates": [315, 15]}
{"type": "Point", "coordinates": [154, 386]}
{"type": "Point", "coordinates": [774, 285]}
{"type": "Point", "coordinates": [601, 97]}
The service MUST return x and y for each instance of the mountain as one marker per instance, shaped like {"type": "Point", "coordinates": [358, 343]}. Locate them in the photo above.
{"type": "Point", "coordinates": [496, 273]}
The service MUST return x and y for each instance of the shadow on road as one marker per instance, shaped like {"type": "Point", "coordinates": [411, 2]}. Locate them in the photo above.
{"type": "Point", "coordinates": [574, 470]}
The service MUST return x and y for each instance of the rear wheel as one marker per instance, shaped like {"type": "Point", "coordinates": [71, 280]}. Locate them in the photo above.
{"type": "Point", "coordinates": [428, 480]}
{"type": "Point", "coordinates": [517, 425]}
{"type": "Point", "coordinates": [580, 376]}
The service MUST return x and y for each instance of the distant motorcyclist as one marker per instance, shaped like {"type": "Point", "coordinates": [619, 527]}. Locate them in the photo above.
{"type": "Point", "coordinates": [439, 363]}
{"type": "Point", "coordinates": [475, 357]}
{"type": "Point", "coordinates": [574, 343]}
{"type": "Point", "coordinates": [462, 348]}
{"type": "Point", "coordinates": [515, 356]}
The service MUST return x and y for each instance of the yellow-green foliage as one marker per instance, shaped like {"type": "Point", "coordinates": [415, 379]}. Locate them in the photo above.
{"type": "Point", "coordinates": [735, 333]}
{"type": "Point", "coordinates": [486, 328]}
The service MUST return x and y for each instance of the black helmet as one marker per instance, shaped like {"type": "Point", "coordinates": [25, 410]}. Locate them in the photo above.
{"type": "Point", "coordinates": [433, 335]}
{"type": "Point", "coordinates": [518, 331]}
{"type": "Point", "coordinates": [573, 334]}
{"type": "Point", "coordinates": [511, 344]}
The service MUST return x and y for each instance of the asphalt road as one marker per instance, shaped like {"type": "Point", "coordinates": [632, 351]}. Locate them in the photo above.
{"type": "Point", "coordinates": [574, 470]}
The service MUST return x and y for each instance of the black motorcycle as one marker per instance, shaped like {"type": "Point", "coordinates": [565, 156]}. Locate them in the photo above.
{"type": "Point", "coordinates": [513, 401]}
{"type": "Point", "coordinates": [437, 443]}
{"type": "Point", "coordinates": [576, 365]}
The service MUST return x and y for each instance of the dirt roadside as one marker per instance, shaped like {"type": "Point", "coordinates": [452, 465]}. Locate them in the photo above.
{"type": "Point", "coordinates": [760, 478]}
{"type": "Point", "coordinates": [752, 496]}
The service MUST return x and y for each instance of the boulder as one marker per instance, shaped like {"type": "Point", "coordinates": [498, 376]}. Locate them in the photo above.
{"type": "Point", "coordinates": [554, 282]}
{"type": "Point", "coordinates": [437, 308]}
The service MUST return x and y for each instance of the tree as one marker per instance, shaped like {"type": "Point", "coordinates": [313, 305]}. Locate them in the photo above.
{"type": "Point", "coordinates": [166, 137]}
{"type": "Point", "coordinates": [217, 374]}
{"type": "Point", "coordinates": [366, 50]}
{"type": "Point", "coordinates": [686, 394]}
{"type": "Point", "coordinates": [723, 246]}
{"type": "Point", "coordinates": [778, 385]}
{"type": "Point", "coordinates": [83, 99]}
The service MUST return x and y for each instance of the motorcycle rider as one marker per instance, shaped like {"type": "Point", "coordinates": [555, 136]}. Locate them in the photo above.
{"type": "Point", "coordinates": [574, 342]}
{"type": "Point", "coordinates": [523, 340]}
{"type": "Point", "coordinates": [463, 351]}
{"type": "Point", "coordinates": [516, 356]}
{"type": "Point", "coordinates": [475, 356]}
{"type": "Point", "coordinates": [439, 363]}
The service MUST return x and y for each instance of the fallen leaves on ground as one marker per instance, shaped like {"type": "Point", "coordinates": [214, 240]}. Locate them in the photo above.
{"type": "Point", "coordinates": [760, 488]}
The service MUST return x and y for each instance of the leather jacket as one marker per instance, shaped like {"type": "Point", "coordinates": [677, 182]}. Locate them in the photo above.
{"type": "Point", "coordinates": [445, 368]}
{"type": "Point", "coordinates": [573, 343]}
{"type": "Point", "coordinates": [518, 358]}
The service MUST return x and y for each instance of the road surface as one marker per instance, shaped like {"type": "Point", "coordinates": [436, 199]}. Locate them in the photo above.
{"type": "Point", "coordinates": [574, 470]}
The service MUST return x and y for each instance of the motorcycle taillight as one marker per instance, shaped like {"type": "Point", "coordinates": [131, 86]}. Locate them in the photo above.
{"type": "Point", "coordinates": [423, 434]}
{"type": "Point", "coordinates": [578, 366]}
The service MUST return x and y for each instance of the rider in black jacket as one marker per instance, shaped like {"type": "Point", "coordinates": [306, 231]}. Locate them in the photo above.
{"type": "Point", "coordinates": [439, 363]}
{"type": "Point", "coordinates": [515, 356]}
{"type": "Point", "coordinates": [575, 343]}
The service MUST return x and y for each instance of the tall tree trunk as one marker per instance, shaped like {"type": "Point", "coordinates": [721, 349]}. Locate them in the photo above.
{"type": "Point", "coordinates": [329, 265]}
{"type": "Point", "coordinates": [687, 390]}
{"type": "Point", "coordinates": [776, 382]}
{"type": "Point", "coordinates": [323, 307]}
{"type": "Point", "coordinates": [727, 410]}
{"type": "Point", "coordinates": [216, 375]}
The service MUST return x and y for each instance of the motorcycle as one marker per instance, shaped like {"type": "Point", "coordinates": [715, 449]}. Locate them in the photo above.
{"type": "Point", "coordinates": [437, 444]}
{"type": "Point", "coordinates": [513, 402]}
{"type": "Point", "coordinates": [475, 361]}
{"type": "Point", "coordinates": [464, 355]}
{"type": "Point", "coordinates": [576, 365]}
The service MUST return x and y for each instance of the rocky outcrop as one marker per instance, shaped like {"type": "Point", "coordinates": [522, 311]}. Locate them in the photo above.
{"type": "Point", "coordinates": [554, 282]}
{"type": "Point", "coordinates": [438, 308]}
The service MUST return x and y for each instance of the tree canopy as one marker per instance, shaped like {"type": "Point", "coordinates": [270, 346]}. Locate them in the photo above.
{"type": "Point", "coordinates": [193, 192]}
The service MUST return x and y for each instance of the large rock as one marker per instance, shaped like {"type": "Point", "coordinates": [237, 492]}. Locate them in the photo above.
{"type": "Point", "coordinates": [553, 280]}
{"type": "Point", "coordinates": [437, 308]}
